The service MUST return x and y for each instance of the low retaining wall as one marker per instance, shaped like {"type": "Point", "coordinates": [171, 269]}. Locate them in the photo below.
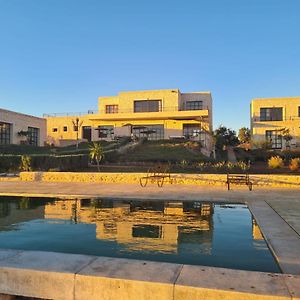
{"type": "Point", "coordinates": [195, 179]}
{"type": "Point", "coordinates": [50, 275]}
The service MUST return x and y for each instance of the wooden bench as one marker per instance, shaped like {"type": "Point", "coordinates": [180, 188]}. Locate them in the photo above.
{"type": "Point", "coordinates": [156, 174]}
{"type": "Point", "coordinates": [239, 179]}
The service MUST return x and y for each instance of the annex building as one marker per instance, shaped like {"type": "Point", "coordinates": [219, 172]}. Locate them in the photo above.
{"type": "Point", "coordinates": [155, 114]}
{"type": "Point", "coordinates": [272, 118]}
{"type": "Point", "coordinates": [17, 128]}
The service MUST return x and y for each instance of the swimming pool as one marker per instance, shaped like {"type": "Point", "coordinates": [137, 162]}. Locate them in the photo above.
{"type": "Point", "coordinates": [188, 232]}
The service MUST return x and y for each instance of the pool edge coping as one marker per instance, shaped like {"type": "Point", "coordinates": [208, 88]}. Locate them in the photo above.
{"type": "Point", "coordinates": [92, 274]}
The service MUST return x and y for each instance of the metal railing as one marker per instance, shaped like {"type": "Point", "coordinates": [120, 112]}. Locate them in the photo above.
{"type": "Point", "coordinates": [288, 118]}
{"type": "Point", "coordinates": [70, 114]}
{"type": "Point", "coordinates": [121, 111]}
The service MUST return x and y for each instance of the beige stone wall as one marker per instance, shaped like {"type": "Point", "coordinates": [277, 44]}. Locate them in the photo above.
{"type": "Point", "coordinates": [205, 97]}
{"type": "Point", "coordinates": [291, 119]}
{"type": "Point", "coordinates": [125, 100]}
{"type": "Point", "coordinates": [22, 122]}
{"type": "Point", "coordinates": [65, 138]}
{"type": "Point", "coordinates": [193, 179]}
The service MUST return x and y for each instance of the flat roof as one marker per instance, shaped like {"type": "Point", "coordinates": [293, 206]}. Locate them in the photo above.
{"type": "Point", "coordinates": [18, 113]}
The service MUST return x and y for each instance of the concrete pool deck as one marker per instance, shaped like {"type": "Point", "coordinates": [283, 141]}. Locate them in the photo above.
{"type": "Point", "coordinates": [277, 211]}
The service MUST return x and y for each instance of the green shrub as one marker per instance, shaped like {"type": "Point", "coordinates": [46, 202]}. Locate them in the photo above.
{"type": "Point", "coordinates": [183, 163]}
{"type": "Point", "coordinates": [111, 156]}
{"type": "Point", "coordinates": [294, 164]}
{"type": "Point", "coordinates": [219, 165]}
{"type": "Point", "coordinates": [259, 154]}
{"type": "Point", "coordinates": [9, 162]}
{"type": "Point", "coordinates": [202, 165]}
{"type": "Point", "coordinates": [243, 166]}
{"type": "Point", "coordinates": [25, 163]}
{"type": "Point", "coordinates": [275, 162]}
{"type": "Point", "coordinates": [290, 154]}
{"type": "Point", "coordinates": [44, 162]}
{"type": "Point", "coordinates": [230, 166]}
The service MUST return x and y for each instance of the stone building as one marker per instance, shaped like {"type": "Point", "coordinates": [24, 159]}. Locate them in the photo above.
{"type": "Point", "coordinates": [17, 128]}
{"type": "Point", "coordinates": [272, 119]}
{"type": "Point", "coordinates": [155, 114]}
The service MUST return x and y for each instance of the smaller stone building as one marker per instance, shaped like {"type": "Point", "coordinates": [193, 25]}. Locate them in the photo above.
{"type": "Point", "coordinates": [17, 128]}
{"type": "Point", "coordinates": [272, 119]}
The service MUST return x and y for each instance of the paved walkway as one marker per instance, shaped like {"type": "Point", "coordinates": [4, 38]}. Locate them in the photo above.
{"type": "Point", "coordinates": [180, 192]}
{"type": "Point", "coordinates": [286, 202]}
{"type": "Point", "coordinates": [277, 210]}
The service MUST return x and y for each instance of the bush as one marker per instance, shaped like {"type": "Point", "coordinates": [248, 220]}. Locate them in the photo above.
{"type": "Point", "coordinates": [259, 154]}
{"type": "Point", "coordinates": [9, 162]}
{"type": "Point", "coordinates": [230, 166]}
{"type": "Point", "coordinates": [219, 165]}
{"type": "Point", "coordinates": [289, 154]}
{"type": "Point", "coordinates": [243, 166]}
{"type": "Point", "coordinates": [25, 163]}
{"type": "Point", "coordinates": [202, 165]}
{"type": "Point", "coordinates": [44, 162]}
{"type": "Point", "coordinates": [275, 162]}
{"type": "Point", "coordinates": [294, 164]}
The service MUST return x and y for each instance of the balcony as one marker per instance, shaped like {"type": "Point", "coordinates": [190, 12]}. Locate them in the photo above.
{"type": "Point", "coordinates": [165, 113]}
{"type": "Point", "coordinates": [288, 118]}
{"type": "Point", "coordinates": [172, 112]}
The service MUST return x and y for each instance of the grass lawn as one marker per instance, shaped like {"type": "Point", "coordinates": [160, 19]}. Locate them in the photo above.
{"type": "Point", "coordinates": [165, 151]}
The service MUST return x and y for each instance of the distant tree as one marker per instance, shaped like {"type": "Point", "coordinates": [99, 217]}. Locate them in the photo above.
{"type": "Point", "coordinates": [76, 127]}
{"type": "Point", "coordinates": [224, 136]}
{"type": "Point", "coordinates": [244, 135]}
{"type": "Point", "coordinates": [96, 153]}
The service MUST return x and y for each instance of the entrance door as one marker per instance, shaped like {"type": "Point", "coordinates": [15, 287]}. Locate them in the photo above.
{"type": "Point", "coordinates": [87, 133]}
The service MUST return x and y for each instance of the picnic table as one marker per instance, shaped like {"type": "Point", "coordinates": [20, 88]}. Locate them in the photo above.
{"type": "Point", "coordinates": [158, 174]}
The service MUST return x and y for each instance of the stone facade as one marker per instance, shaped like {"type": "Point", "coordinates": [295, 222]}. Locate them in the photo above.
{"type": "Point", "coordinates": [17, 128]}
{"type": "Point", "coordinates": [156, 114]}
{"type": "Point", "coordinates": [271, 117]}
{"type": "Point", "coordinates": [261, 180]}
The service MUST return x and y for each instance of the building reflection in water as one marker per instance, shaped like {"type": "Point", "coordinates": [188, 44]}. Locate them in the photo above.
{"type": "Point", "coordinates": [13, 212]}
{"type": "Point", "coordinates": [137, 225]}
{"type": "Point", "coordinates": [141, 225]}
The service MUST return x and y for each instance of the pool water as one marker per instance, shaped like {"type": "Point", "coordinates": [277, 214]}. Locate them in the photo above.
{"type": "Point", "coordinates": [188, 232]}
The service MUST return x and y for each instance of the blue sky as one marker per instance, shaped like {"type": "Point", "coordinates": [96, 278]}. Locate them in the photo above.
{"type": "Point", "coordinates": [60, 55]}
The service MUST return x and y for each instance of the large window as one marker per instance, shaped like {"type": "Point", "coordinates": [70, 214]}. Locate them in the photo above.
{"type": "Point", "coordinates": [151, 132]}
{"type": "Point", "coordinates": [106, 132]}
{"type": "Point", "coordinates": [147, 231]}
{"type": "Point", "coordinates": [147, 105]}
{"type": "Point", "coordinates": [5, 133]}
{"type": "Point", "coordinates": [274, 138]}
{"type": "Point", "coordinates": [111, 109]}
{"type": "Point", "coordinates": [33, 136]}
{"type": "Point", "coordinates": [191, 130]}
{"type": "Point", "coordinates": [194, 105]}
{"type": "Point", "coordinates": [271, 114]}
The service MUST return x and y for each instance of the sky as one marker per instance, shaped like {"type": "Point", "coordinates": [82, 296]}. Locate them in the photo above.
{"type": "Point", "coordinates": [61, 55]}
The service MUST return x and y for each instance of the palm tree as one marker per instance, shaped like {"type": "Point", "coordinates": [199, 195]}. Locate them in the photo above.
{"type": "Point", "coordinates": [96, 153]}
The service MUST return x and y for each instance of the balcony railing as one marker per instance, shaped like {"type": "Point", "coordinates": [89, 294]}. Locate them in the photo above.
{"type": "Point", "coordinates": [121, 111]}
{"type": "Point", "coordinates": [70, 114]}
{"type": "Point", "coordinates": [288, 118]}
